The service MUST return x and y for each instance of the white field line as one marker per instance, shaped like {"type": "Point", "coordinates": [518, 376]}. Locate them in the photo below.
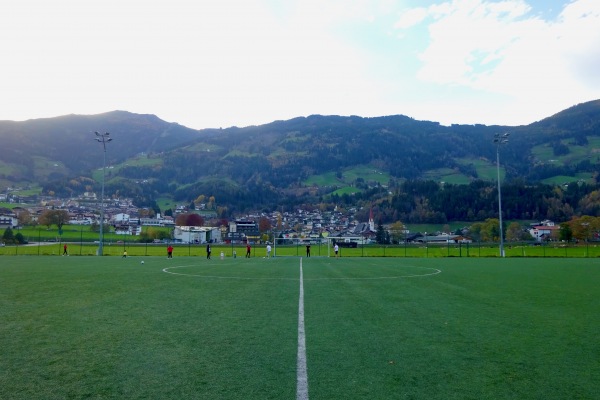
{"type": "Point", "coordinates": [433, 271]}
{"type": "Point", "coordinates": [302, 375]}
{"type": "Point", "coordinates": [168, 270]}
{"type": "Point", "coordinates": [301, 368]}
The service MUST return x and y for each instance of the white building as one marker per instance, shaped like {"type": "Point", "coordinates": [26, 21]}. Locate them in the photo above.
{"type": "Point", "coordinates": [135, 230]}
{"type": "Point", "coordinates": [8, 221]}
{"type": "Point", "coordinates": [544, 230]}
{"type": "Point", "coordinates": [156, 221]}
{"type": "Point", "coordinates": [197, 234]}
{"type": "Point", "coordinates": [121, 218]}
{"type": "Point", "coordinates": [81, 221]}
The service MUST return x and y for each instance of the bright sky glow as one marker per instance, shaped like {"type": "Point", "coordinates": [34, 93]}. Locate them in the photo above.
{"type": "Point", "coordinates": [209, 64]}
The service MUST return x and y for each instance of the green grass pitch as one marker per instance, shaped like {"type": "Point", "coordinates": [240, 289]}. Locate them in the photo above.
{"type": "Point", "coordinates": [376, 328]}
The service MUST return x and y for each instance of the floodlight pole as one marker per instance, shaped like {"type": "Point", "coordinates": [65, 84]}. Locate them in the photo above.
{"type": "Point", "coordinates": [102, 138]}
{"type": "Point", "coordinates": [587, 238]}
{"type": "Point", "coordinates": [500, 140]}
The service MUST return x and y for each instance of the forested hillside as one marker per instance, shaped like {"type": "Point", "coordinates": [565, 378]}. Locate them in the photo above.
{"type": "Point", "coordinates": [417, 170]}
{"type": "Point", "coordinates": [64, 147]}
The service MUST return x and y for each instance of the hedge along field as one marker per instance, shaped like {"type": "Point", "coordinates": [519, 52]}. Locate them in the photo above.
{"type": "Point", "coordinates": [512, 250]}
{"type": "Point", "coordinates": [377, 328]}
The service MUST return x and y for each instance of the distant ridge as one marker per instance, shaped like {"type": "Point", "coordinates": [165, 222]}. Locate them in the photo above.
{"type": "Point", "coordinates": [304, 157]}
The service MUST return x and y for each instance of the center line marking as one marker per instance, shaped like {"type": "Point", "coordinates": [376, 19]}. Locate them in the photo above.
{"type": "Point", "coordinates": [302, 376]}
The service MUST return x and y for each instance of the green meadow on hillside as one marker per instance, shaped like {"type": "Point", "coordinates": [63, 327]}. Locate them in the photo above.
{"type": "Point", "coordinates": [562, 179]}
{"type": "Point", "coordinates": [447, 175]}
{"type": "Point", "coordinates": [544, 153]}
{"type": "Point", "coordinates": [486, 169]}
{"type": "Point", "coordinates": [349, 176]}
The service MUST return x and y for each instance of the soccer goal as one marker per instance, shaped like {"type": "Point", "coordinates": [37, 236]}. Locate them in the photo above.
{"type": "Point", "coordinates": [298, 247]}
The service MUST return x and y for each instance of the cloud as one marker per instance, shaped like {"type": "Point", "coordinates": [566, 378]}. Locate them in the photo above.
{"type": "Point", "coordinates": [578, 34]}
{"type": "Point", "coordinates": [411, 17]}
{"type": "Point", "coordinates": [239, 62]}
{"type": "Point", "coordinates": [186, 61]}
{"type": "Point", "coordinates": [503, 49]}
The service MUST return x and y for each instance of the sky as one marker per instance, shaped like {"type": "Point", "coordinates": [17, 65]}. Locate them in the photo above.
{"type": "Point", "coordinates": [222, 63]}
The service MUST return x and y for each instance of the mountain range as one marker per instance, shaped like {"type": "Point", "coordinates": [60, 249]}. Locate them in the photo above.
{"type": "Point", "coordinates": [302, 160]}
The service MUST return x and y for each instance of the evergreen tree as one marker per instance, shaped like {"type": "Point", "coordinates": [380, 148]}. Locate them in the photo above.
{"type": "Point", "coordinates": [380, 236]}
{"type": "Point", "coordinates": [8, 236]}
{"type": "Point", "coordinates": [19, 238]}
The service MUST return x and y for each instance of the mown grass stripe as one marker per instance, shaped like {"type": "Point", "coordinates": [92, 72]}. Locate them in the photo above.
{"type": "Point", "coordinates": [302, 379]}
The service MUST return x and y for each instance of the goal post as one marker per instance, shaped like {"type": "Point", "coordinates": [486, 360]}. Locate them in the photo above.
{"type": "Point", "coordinates": [297, 247]}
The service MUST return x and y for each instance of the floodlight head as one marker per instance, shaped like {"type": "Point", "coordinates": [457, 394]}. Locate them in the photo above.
{"type": "Point", "coordinates": [97, 134]}
{"type": "Point", "coordinates": [107, 134]}
{"type": "Point", "coordinates": [98, 140]}
{"type": "Point", "coordinates": [500, 139]}
{"type": "Point", "coordinates": [109, 139]}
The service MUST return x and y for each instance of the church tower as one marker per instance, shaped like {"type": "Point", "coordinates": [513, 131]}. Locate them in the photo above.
{"type": "Point", "coordinates": [371, 221]}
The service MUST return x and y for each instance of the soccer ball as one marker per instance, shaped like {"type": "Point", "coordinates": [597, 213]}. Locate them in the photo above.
{"type": "Point", "coordinates": [142, 262]}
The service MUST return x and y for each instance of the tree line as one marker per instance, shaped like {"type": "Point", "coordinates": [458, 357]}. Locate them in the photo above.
{"type": "Point", "coordinates": [431, 202]}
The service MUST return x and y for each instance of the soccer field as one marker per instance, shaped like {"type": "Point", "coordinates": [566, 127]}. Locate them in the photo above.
{"type": "Point", "coordinates": [373, 328]}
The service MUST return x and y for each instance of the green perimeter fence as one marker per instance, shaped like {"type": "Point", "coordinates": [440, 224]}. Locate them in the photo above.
{"type": "Point", "coordinates": [117, 248]}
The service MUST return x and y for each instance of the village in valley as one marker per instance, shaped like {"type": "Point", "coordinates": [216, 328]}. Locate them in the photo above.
{"type": "Point", "coordinates": [297, 226]}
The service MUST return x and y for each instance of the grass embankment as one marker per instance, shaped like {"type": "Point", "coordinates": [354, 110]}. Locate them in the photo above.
{"type": "Point", "coordinates": [81, 233]}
